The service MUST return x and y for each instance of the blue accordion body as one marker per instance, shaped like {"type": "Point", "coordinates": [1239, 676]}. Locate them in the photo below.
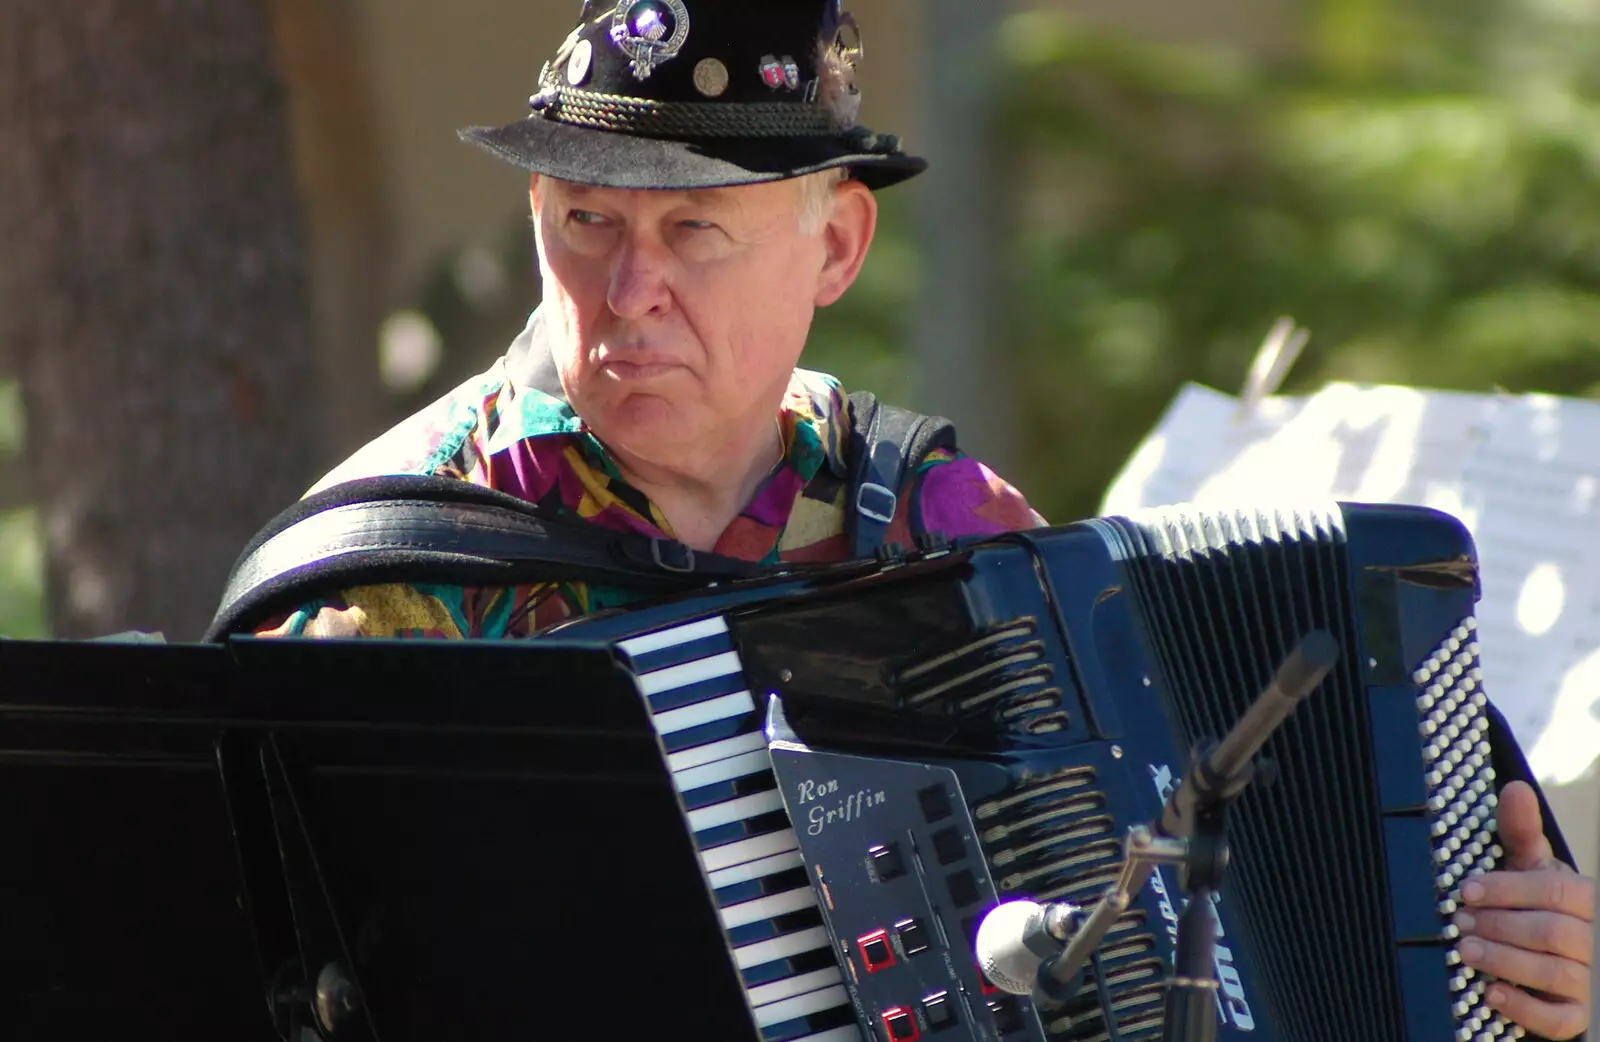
{"type": "Point", "coordinates": [870, 763]}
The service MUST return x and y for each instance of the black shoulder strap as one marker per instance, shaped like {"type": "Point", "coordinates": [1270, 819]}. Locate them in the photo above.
{"type": "Point", "coordinates": [886, 444]}
{"type": "Point", "coordinates": [427, 529]}
{"type": "Point", "coordinates": [424, 529]}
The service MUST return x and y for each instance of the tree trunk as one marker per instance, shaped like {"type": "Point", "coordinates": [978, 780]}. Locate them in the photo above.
{"type": "Point", "coordinates": [152, 298]}
{"type": "Point", "coordinates": [333, 120]}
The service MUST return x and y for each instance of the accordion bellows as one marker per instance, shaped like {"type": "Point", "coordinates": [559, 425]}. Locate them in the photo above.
{"type": "Point", "coordinates": [1220, 588]}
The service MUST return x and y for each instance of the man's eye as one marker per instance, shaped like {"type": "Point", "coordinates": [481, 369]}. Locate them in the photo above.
{"type": "Point", "coordinates": [698, 226]}
{"type": "Point", "coordinates": [587, 217]}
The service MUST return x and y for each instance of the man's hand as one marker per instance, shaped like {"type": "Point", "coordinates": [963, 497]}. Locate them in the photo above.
{"type": "Point", "coordinates": [1531, 924]}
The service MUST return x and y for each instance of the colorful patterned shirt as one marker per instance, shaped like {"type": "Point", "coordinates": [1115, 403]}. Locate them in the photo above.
{"type": "Point", "coordinates": [510, 430]}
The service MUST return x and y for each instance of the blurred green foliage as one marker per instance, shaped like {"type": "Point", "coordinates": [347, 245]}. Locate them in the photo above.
{"type": "Point", "coordinates": [21, 557]}
{"type": "Point", "coordinates": [22, 613]}
{"type": "Point", "coordinates": [1415, 182]}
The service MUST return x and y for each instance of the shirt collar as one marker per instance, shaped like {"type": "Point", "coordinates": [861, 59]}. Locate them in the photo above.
{"type": "Point", "coordinates": [814, 418]}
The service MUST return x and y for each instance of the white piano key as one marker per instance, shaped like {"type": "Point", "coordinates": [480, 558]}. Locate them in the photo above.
{"type": "Point", "coordinates": [723, 770]}
{"type": "Point", "coordinates": [674, 637]}
{"type": "Point", "coordinates": [848, 1033]}
{"type": "Point", "coordinates": [711, 752]}
{"type": "Point", "coordinates": [708, 712]}
{"type": "Point", "coordinates": [730, 854]}
{"type": "Point", "coordinates": [797, 900]}
{"type": "Point", "coordinates": [767, 866]}
{"type": "Point", "coordinates": [785, 947]}
{"type": "Point", "coordinates": [802, 1006]}
{"type": "Point", "coordinates": [674, 677]}
{"type": "Point", "coordinates": [793, 987]}
{"type": "Point", "coordinates": [735, 810]}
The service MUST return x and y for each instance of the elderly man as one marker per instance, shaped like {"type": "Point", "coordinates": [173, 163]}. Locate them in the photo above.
{"type": "Point", "coordinates": [699, 187]}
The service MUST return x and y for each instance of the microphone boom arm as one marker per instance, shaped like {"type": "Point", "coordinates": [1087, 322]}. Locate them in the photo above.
{"type": "Point", "coordinates": [1216, 775]}
{"type": "Point", "coordinates": [1142, 851]}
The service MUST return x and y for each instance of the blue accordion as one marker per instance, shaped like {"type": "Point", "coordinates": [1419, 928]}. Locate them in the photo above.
{"type": "Point", "coordinates": [870, 764]}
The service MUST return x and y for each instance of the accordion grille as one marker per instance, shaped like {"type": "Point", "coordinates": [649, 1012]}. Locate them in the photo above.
{"type": "Point", "coordinates": [1227, 596]}
{"type": "Point", "coordinates": [1051, 840]}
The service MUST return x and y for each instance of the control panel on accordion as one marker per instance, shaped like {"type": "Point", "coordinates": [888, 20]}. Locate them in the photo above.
{"type": "Point", "coordinates": [909, 920]}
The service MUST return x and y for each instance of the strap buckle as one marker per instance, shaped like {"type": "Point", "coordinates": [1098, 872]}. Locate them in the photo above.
{"type": "Point", "coordinates": [684, 563]}
{"type": "Point", "coordinates": [882, 510]}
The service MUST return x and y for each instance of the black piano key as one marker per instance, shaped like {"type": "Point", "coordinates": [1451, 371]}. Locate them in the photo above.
{"type": "Point", "coordinates": [766, 886]}
{"type": "Point", "coordinates": [705, 734]}
{"type": "Point", "coordinates": [734, 831]}
{"type": "Point", "coordinates": [710, 795]}
{"type": "Point", "coordinates": [777, 926]}
{"type": "Point", "coordinates": [703, 691]}
{"type": "Point", "coordinates": [812, 1025]}
{"type": "Point", "coordinates": [664, 658]}
{"type": "Point", "coordinates": [794, 966]}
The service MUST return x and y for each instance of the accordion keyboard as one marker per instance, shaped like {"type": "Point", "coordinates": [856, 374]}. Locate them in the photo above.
{"type": "Point", "coordinates": [711, 727]}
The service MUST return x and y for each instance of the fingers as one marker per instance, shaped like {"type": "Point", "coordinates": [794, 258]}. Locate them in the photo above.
{"type": "Point", "coordinates": [1521, 829]}
{"type": "Point", "coordinates": [332, 623]}
{"type": "Point", "coordinates": [1553, 1019]}
{"type": "Point", "coordinates": [1555, 889]}
{"type": "Point", "coordinates": [1530, 926]}
{"type": "Point", "coordinates": [1557, 977]}
{"type": "Point", "coordinates": [1550, 890]}
{"type": "Point", "coordinates": [1549, 932]}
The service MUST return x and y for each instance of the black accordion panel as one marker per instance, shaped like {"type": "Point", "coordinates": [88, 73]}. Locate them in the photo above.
{"type": "Point", "coordinates": [869, 766]}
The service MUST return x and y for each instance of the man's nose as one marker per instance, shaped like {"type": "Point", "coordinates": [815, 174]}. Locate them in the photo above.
{"type": "Point", "coordinates": [640, 280]}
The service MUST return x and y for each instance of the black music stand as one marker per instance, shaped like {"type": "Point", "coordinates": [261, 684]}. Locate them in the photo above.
{"type": "Point", "coordinates": [475, 840]}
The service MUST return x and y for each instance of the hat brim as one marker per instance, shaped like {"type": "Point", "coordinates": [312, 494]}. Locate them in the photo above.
{"type": "Point", "coordinates": [607, 159]}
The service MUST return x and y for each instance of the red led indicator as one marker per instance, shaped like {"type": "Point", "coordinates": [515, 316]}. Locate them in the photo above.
{"type": "Point", "coordinates": [901, 1024]}
{"type": "Point", "coordinates": [876, 951]}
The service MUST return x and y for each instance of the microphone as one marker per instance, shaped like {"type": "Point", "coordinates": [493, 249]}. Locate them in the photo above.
{"type": "Point", "coordinates": [1015, 938]}
{"type": "Point", "coordinates": [1216, 775]}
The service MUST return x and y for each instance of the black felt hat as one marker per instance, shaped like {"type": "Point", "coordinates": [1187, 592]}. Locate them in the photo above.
{"type": "Point", "coordinates": [701, 94]}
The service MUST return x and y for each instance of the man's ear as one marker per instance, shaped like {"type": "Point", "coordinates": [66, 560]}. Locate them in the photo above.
{"type": "Point", "coordinates": [533, 194]}
{"type": "Point", "coordinates": [847, 236]}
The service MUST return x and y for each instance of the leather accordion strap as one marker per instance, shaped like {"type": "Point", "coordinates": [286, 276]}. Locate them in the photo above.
{"type": "Point", "coordinates": [441, 530]}
{"type": "Point", "coordinates": [889, 442]}
{"type": "Point", "coordinates": [422, 529]}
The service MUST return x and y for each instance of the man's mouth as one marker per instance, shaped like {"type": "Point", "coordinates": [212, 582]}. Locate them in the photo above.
{"type": "Point", "coordinates": [637, 370]}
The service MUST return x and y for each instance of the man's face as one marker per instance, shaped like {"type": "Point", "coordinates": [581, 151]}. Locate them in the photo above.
{"type": "Point", "coordinates": [676, 317]}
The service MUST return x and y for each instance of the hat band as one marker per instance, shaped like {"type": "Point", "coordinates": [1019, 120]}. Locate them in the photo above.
{"type": "Point", "coordinates": [775, 119]}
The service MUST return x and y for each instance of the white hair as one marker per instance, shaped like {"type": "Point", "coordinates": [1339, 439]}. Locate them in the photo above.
{"type": "Point", "coordinates": [817, 197]}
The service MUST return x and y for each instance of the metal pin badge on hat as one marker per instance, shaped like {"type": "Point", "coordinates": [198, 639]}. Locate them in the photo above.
{"type": "Point", "coordinates": [650, 32]}
{"type": "Point", "coordinates": [580, 62]}
{"type": "Point", "coordinates": [711, 77]}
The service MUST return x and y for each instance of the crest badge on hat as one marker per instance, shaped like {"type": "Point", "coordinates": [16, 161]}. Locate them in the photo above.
{"type": "Point", "coordinates": [650, 32]}
{"type": "Point", "coordinates": [780, 73]}
{"type": "Point", "coordinates": [772, 71]}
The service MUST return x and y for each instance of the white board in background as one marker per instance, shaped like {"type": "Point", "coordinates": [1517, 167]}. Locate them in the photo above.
{"type": "Point", "coordinates": [1523, 473]}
